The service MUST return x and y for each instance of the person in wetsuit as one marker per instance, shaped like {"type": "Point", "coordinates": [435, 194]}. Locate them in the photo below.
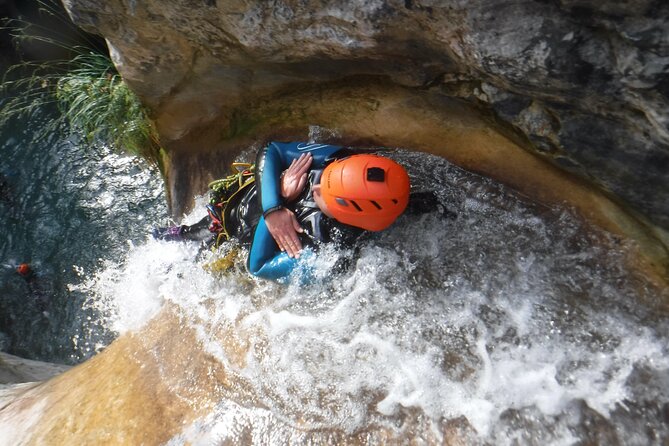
{"type": "Point", "coordinates": [304, 194]}
{"type": "Point", "coordinates": [39, 287]}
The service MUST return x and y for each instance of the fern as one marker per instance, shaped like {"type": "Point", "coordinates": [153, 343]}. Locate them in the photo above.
{"type": "Point", "coordinates": [91, 97]}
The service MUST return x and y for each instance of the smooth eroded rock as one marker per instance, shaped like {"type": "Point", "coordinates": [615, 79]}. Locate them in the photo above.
{"type": "Point", "coordinates": [584, 82]}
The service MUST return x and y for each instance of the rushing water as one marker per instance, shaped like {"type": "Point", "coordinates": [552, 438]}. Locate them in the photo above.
{"type": "Point", "coordinates": [65, 206]}
{"type": "Point", "coordinates": [490, 318]}
{"type": "Point", "coordinates": [504, 321]}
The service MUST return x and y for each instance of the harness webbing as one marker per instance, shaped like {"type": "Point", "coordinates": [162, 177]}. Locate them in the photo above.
{"type": "Point", "coordinates": [222, 193]}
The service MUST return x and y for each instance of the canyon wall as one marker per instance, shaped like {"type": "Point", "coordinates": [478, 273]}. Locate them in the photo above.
{"type": "Point", "coordinates": [583, 84]}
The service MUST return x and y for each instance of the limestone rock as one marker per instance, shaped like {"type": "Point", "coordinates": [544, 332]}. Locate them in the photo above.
{"type": "Point", "coordinates": [15, 370]}
{"type": "Point", "coordinates": [580, 82]}
{"type": "Point", "coordinates": [147, 389]}
{"type": "Point", "coordinates": [584, 83]}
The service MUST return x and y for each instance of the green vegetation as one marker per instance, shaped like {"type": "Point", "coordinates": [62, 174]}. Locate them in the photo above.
{"type": "Point", "coordinates": [90, 96]}
{"type": "Point", "coordinates": [95, 101]}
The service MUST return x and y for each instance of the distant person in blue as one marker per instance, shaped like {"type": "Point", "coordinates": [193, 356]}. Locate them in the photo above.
{"type": "Point", "coordinates": [302, 194]}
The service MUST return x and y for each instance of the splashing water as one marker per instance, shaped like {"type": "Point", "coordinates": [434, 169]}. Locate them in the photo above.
{"type": "Point", "coordinates": [513, 322]}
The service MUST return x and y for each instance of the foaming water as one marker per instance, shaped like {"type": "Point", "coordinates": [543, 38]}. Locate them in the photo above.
{"type": "Point", "coordinates": [513, 322]}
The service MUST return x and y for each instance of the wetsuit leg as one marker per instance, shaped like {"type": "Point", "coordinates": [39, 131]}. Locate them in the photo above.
{"type": "Point", "coordinates": [196, 232]}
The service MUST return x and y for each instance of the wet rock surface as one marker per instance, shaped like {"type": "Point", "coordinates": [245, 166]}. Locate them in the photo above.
{"type": "Point", "coordinates": [584, 83]}
{"type": "Point", "coordinates": [15, 370]}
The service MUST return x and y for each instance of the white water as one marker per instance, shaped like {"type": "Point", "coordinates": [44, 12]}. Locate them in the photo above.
{"type": "Point", "coordinates": [13, 428]}
{"type": "Point", "coordinates": [511, 315]}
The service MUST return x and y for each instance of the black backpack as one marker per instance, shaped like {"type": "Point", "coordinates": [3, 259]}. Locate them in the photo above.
{"type": "Point", "coordinates": [222, 191]}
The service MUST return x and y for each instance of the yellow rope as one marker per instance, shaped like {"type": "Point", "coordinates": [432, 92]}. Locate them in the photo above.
{"type": "Point", "coordinates": [223, 264]}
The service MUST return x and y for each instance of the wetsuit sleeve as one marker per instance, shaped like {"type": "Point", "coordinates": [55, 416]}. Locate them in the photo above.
{"type": "Point", "coordinates": [275, 158]}
{"type": "Point", "coordinates": [265, 259]}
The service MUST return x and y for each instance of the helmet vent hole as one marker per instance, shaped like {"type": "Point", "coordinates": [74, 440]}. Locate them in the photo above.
{"type": "Point", "coordinates": [355, 205]}
{"type": "Point", "coordinates": [377, 205]}
{"type": "Point", "coordinates": [376, 174]}
{"type": "Point", "coordinates": [395, 201]}
{"type": "Point", "coordinates": [341, 201]}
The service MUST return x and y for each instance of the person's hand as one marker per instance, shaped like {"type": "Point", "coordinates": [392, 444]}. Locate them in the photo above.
{"type": "Point", "coordinates": [295, 177]}
{"type": "Point", "coordinates": [283, 226]}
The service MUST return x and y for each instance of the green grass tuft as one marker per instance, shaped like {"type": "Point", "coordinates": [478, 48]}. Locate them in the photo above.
{"type": "Point", "coordinates": [91, 98]}
{"type": "Point", "coordinates": [95, 102]}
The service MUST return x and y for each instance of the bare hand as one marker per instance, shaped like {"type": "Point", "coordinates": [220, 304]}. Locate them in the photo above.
{"type": "Point", "coordinates": [295, 177]}
{"type": "Point", "coordinates": [283, 226]}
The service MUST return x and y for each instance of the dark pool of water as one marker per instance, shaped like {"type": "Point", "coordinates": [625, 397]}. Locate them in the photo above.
{"type": "Point", "coordinates": [65, 206]}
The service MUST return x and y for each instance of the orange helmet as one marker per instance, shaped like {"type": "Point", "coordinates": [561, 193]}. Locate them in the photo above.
{"type": "Point", "coordinates": [366, 191]}
{"type": "Point", "coordinates": [23, 269]}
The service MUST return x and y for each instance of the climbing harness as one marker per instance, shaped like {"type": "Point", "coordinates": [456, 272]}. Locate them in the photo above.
{"type": "Point", "coordinates": [222, 192]}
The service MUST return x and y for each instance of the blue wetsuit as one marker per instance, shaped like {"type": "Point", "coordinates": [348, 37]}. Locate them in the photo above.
{"type": "Point", "coordinates": [265, 258]}
{"type": "Point", "coordinates": [244, 214]}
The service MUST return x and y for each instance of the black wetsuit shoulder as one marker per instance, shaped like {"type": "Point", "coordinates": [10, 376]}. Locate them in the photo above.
{"type": "Point", "coordinates": [318, 227]}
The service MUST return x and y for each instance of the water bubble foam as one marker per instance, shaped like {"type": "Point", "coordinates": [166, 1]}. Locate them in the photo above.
{"type": "Point", "coordinates": [517, 317]}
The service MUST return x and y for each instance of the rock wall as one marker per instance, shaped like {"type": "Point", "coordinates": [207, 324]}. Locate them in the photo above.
{"type": "Point", "coordinates": [50, 37]}
{"type": "Point", "coordinates": [582, 83]}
